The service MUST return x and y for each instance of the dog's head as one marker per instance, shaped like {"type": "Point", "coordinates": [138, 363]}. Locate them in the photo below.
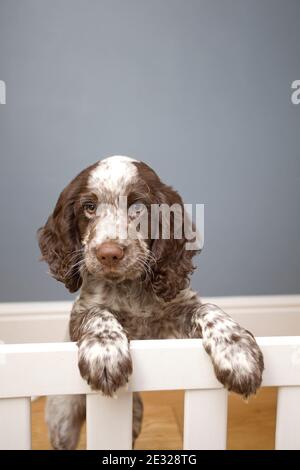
{"type": "Point", "coordinates": [108, 222]}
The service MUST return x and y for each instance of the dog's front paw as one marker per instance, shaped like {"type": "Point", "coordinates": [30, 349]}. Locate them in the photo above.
{"type": "Point", "coordinates": [238, 362]}
{"type": "Point", "coordinates": [105, 362]}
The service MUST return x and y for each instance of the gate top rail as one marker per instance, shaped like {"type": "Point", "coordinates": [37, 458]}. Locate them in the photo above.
{"type": "Point", "coordinates": [51, 368]}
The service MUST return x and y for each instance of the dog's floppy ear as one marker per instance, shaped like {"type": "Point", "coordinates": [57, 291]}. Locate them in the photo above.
{"type": "Point", "coordinates": [173, 260]}
{"type": "Point", "coordinates": [59, 241]}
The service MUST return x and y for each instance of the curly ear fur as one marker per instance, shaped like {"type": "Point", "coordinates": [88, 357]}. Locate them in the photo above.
{"type": "Point", "coordinates": [174, 264]}
{"type": "Point", "coordinates": [59, 244]}
{"type": "Point", "coordinates": [173, 269]}
{"type": "Point", "coordinates": [59, 239]}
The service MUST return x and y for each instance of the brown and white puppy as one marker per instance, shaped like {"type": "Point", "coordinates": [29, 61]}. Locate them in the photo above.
{"type": "Point", "coordinates": [130, 288]}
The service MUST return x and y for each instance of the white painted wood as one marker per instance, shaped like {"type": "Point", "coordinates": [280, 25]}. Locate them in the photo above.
{"type": "Point", "coordinates": [109, 422]}
{"type": "Point", "coordinates": [34, 322]}
{"type": "Point", "coordinates": [282, 359]}
{"type": "Point", "coordinates": [15, 424]}
{"type": "Point", "coordinates": [42, 369]}
{"type": "Point", "coordinates": [35, 308]}
{"type": "Point", "coordinates": [158, 365]}
{"type": "Point", "coordinates": [255, 301]}
{"type": "Point", "coordinates": [205, 419]}
{"type": "Point", "coordinates": [288, 419]}
{"type": "Point", "coordinates": [171, 365]}
{"type": "Point", "coordinates": [27, 322]}
{"type": "Point", "coordinates": [51, 369]}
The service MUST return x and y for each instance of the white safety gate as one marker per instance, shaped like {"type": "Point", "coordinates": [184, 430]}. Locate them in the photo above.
{"type": "Point", "coordinates": [50, 368]}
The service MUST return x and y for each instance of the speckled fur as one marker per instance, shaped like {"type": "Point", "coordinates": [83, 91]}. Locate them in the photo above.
{"type": "Point", "coordinates": [110, 312]}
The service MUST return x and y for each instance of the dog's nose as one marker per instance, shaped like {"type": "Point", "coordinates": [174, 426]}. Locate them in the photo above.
{"type": "Point", "coordinates": [109, 253]}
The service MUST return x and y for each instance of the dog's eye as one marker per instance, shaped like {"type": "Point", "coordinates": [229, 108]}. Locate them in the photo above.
{"type": "Point", "coordinates": [136, 209]}
{"type": "Point", "coordinates": [90, 207]}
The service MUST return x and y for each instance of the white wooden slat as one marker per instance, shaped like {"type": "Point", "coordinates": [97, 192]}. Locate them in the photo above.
{"type": "Point", "coordinates": [205, 419]}
{"type": "Point", "coordinates": [109, 422]}
{"type": "Point", "coordinates": [171, 364]}
{"type": "Point", "coordinates": [281, 359]}
{"type": "Point", "coordinates": [15, 423]}
{"type": "Point", "coordinates": [288, 419]}
{"type": "Point", "coordinates": [157, 365]}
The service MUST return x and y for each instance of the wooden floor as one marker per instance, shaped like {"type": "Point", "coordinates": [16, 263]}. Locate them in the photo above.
{"type": "Point", "coordinates": [250, 425]}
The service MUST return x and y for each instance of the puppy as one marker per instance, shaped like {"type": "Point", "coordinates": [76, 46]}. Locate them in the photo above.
{"type": "Point", "coordinates": [131, 287]}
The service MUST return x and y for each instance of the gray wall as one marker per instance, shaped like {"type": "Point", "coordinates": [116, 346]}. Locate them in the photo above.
{"type": "Point", "coordinates": [199, 89]}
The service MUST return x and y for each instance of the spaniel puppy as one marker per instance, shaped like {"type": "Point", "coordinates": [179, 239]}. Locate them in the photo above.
{"type": "Point", "coordinates": [130, 288]}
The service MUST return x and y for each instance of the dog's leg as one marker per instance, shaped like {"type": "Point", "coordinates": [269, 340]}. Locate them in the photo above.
{"type": "Point", "coordinates": [236, 357]}
{"type": "Point", "coordinates": [64, 416]}
{"type": "Point", "coordinates": [104, 359]}
{"type": "Point", "coordinates": [137, 420]}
